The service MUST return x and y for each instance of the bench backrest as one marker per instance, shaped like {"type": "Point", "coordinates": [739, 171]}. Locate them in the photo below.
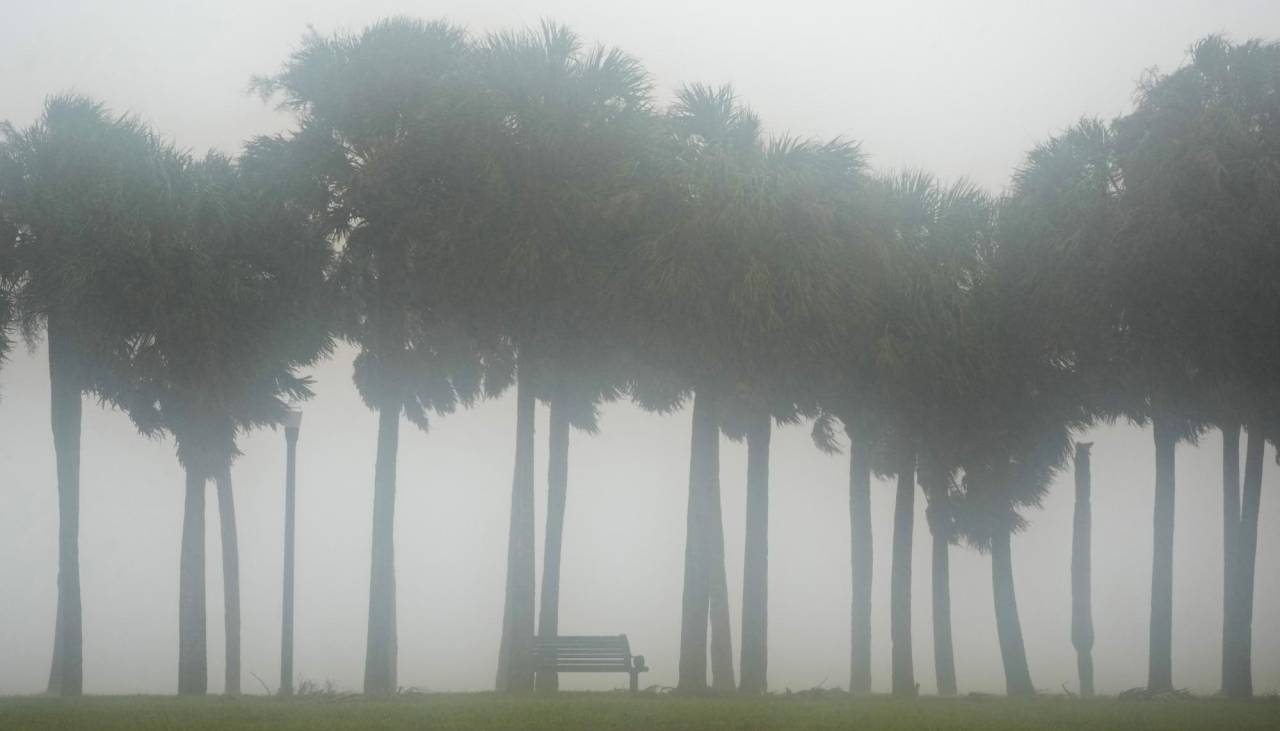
{"type": "Point", "coordinates": [583, 654]}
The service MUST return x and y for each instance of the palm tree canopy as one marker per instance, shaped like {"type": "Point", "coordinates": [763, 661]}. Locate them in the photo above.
{"type": "Point", "coordinates": [386, 117]}
{"type": "Point", "coordinates": [234, 307]}
{"type": "Point", "coordinates": [84, 200]}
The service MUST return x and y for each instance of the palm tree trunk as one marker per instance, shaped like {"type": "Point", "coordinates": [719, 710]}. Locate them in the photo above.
{"type": "Point", "coordinates": [755, 568]}
{"type": "Point", "coordinates": [381, 643]}
{"type": "Point", "coordinates": [704, 467]}
{"type": "Point", "coordinates": [286, 605]}
{"type": "Point", "coordinates": [1246, 554]}
{"type": "Point", "coordinates": [721, 635]}
{"type": "Point", "coordinates": [944, 658]}
{"type": "Point", "coordinates": [1230, 546]}
{"type": "Point", "coordinates": [1008, 627]}
{"type": "Point", "coordinates": [66, 672]}
{"type": "Point", "coordinates": [230, 578]}
{"type": "Point", "coordinates": [860, 561]}
{"type": "Point", "coordinates": [557, 492]}
{"type": "Point", "coordinates": [1160, 664]}
{"type": "Point", "coordinates": [515, 653]}
{"type": "Point", "coordinates": [904, 680]}
{"type": "Point", "coordinates": [1082, 571]}
{"type": "Point", "coordinates": [193, 665]}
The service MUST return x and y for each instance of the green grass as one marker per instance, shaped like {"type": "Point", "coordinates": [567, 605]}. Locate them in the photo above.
{"type": "Point", "coordinates": [602, 711]}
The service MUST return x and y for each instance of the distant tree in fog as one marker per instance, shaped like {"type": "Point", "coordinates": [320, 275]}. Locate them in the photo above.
{"type": "Point", "coordinates": [82, 192]}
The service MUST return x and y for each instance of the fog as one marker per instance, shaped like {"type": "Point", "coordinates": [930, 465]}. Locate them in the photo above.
{"type": "Point", "coordinates": [953, 87]}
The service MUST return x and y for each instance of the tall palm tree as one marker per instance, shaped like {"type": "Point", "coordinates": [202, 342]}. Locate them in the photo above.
{"type": "Point", "coordinates": [385, 115]}
{"type": "Point", "coordinates": [565, 124]}
{"type": "Point", "coordinates": [730, 266]}
{"type": "Point", "coordinates": [713, 147]}
{"type": "Point", "coordinates": [1197, 156]}
{"type": "Point", "coordinates": [1061, 216]}
{"type": "Point", "coordinates": [935, 235]}
{"type": "Point", "coordinates": [805, 190]}
{"type": "Point", "coordinates": [83, 193]}
{"type": "Point", "coordinates": [244, 295]}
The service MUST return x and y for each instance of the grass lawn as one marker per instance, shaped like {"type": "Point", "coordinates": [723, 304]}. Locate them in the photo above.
{"type": "Point", "coordinates": [600, 711]}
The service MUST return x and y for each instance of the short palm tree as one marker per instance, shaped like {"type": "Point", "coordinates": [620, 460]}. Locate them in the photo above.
{"type": "Point", "coordinates": [84, 195]}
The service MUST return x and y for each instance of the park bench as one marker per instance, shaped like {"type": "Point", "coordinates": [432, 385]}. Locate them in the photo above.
{"type": "Point", "coordinates": [584, 654]}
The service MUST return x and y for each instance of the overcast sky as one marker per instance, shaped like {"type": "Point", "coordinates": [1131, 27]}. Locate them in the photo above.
{"type": "Point", "coordinates": [958, 88]}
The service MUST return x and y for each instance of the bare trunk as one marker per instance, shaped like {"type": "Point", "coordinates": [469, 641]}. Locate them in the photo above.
{"type": "Point", "coordinates": [1246, 562]}
{"type": "Point", "coordinates": [286, 605]}
{"type": "Point", "coordinates": [381, 642]}
{"type": "Point", "coordinates": [230, 579]}
{"type": "Point", "coordinates": [1082, 571]}
{"type": "Point", "coordinates": [860, 560]}
{"type": "Point", "coordinates": [721, 634]}
{"type": "Point", "coordinates": [904, 680]}
{"type": "Point", "coordinates": [1008, 626]}
{"type": "Point", "coordinates": [944, 659]}
{"type": "Point", "coordinates": [66, 674]}
{"type": "Point", "coordinates": [515, 653]}
{"type": "Point", "coordinates": [755, 569]}
{"type": "Point", "coordinates": [1230, 545]}
{"type": "Point", "coordinates": [1160, 665]}
{"type": "Point", "coordinates": [557, 493]}
{"type": "Point", "coordinates": [704, 468]}
{"type": "Point", "coordinates": [193, 665]}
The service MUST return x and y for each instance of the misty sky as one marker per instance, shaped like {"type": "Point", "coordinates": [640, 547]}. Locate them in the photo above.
{"type": "Point", "coordinates": [959, 88]}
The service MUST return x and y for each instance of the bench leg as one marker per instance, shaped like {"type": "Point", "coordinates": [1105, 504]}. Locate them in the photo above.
{"type": "Point", "coordinates": [635, 681]}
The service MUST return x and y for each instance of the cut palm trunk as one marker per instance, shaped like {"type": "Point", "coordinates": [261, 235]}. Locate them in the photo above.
{"type": "Point", "coordinates": [1160, 661]}
{"type": "Point", "coordinates": [1081, 571]}
{"type": "Point", "coordinates": [193, 666]}
{"type": "Point", "coordinates": [380, 646]}
{"type": "Point", "coordinates": [704, 466]}
{"type": "Point", "coordinates": [755, 569]}
{"type": "Point", "coordinates": [904, 681]}
{"type": "Point", "coordinates": [1008, 626]}
{"type": "Point", "coordinates": [860, 562]}
{"type": "Point", "coordinates": [557, 493]}
{"type": "Point", "coordinates": [66, 672]}
{"type": "Point", "coordinates": [230, 579]}
{"type": "Point", "coordinates": [515, 653]}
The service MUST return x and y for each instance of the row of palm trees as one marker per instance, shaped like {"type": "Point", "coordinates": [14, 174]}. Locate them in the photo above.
{"type": "Point", "coordinates": [473, 213]}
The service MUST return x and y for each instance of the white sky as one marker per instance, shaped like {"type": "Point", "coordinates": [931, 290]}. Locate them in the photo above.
{"type": "Point", "coordinates": [959, 88]}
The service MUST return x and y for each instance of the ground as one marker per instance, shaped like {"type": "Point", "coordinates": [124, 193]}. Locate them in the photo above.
{"type": "Point", "coordinates": [603, 711]}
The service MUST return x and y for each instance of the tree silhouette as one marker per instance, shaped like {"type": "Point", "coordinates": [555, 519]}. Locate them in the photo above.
{"type": "Point", "coordinates": [83, 190]}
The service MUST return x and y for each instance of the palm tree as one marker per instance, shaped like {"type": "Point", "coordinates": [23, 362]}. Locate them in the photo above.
{"type": "Point", "coordinates": [732, 270]}
{"type": "Point", "coordinates": [1194, 158]}
{"type": "Point", "coordinates": [1061, 216]}
{"type": "Point", "coordinates": [564, 124]}
{"type": "Point", "coordinates": [82, 192]}
{"type": "Point", "coordinates": [713, 146]}
{"type": "Point", "coordinates": [1082, 569]}
{"type": "Point", "coordinates": [935, 235]}
{"type": "Point", "coordinates": [385, 116]}
{"type": "Point", "coordinates": [804, 192]}
{"type": "Point", "coordinates": [244, 290]}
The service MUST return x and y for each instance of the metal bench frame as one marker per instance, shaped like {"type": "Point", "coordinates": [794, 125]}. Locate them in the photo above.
{"type": "Point", "coordinates": [588, 654]}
